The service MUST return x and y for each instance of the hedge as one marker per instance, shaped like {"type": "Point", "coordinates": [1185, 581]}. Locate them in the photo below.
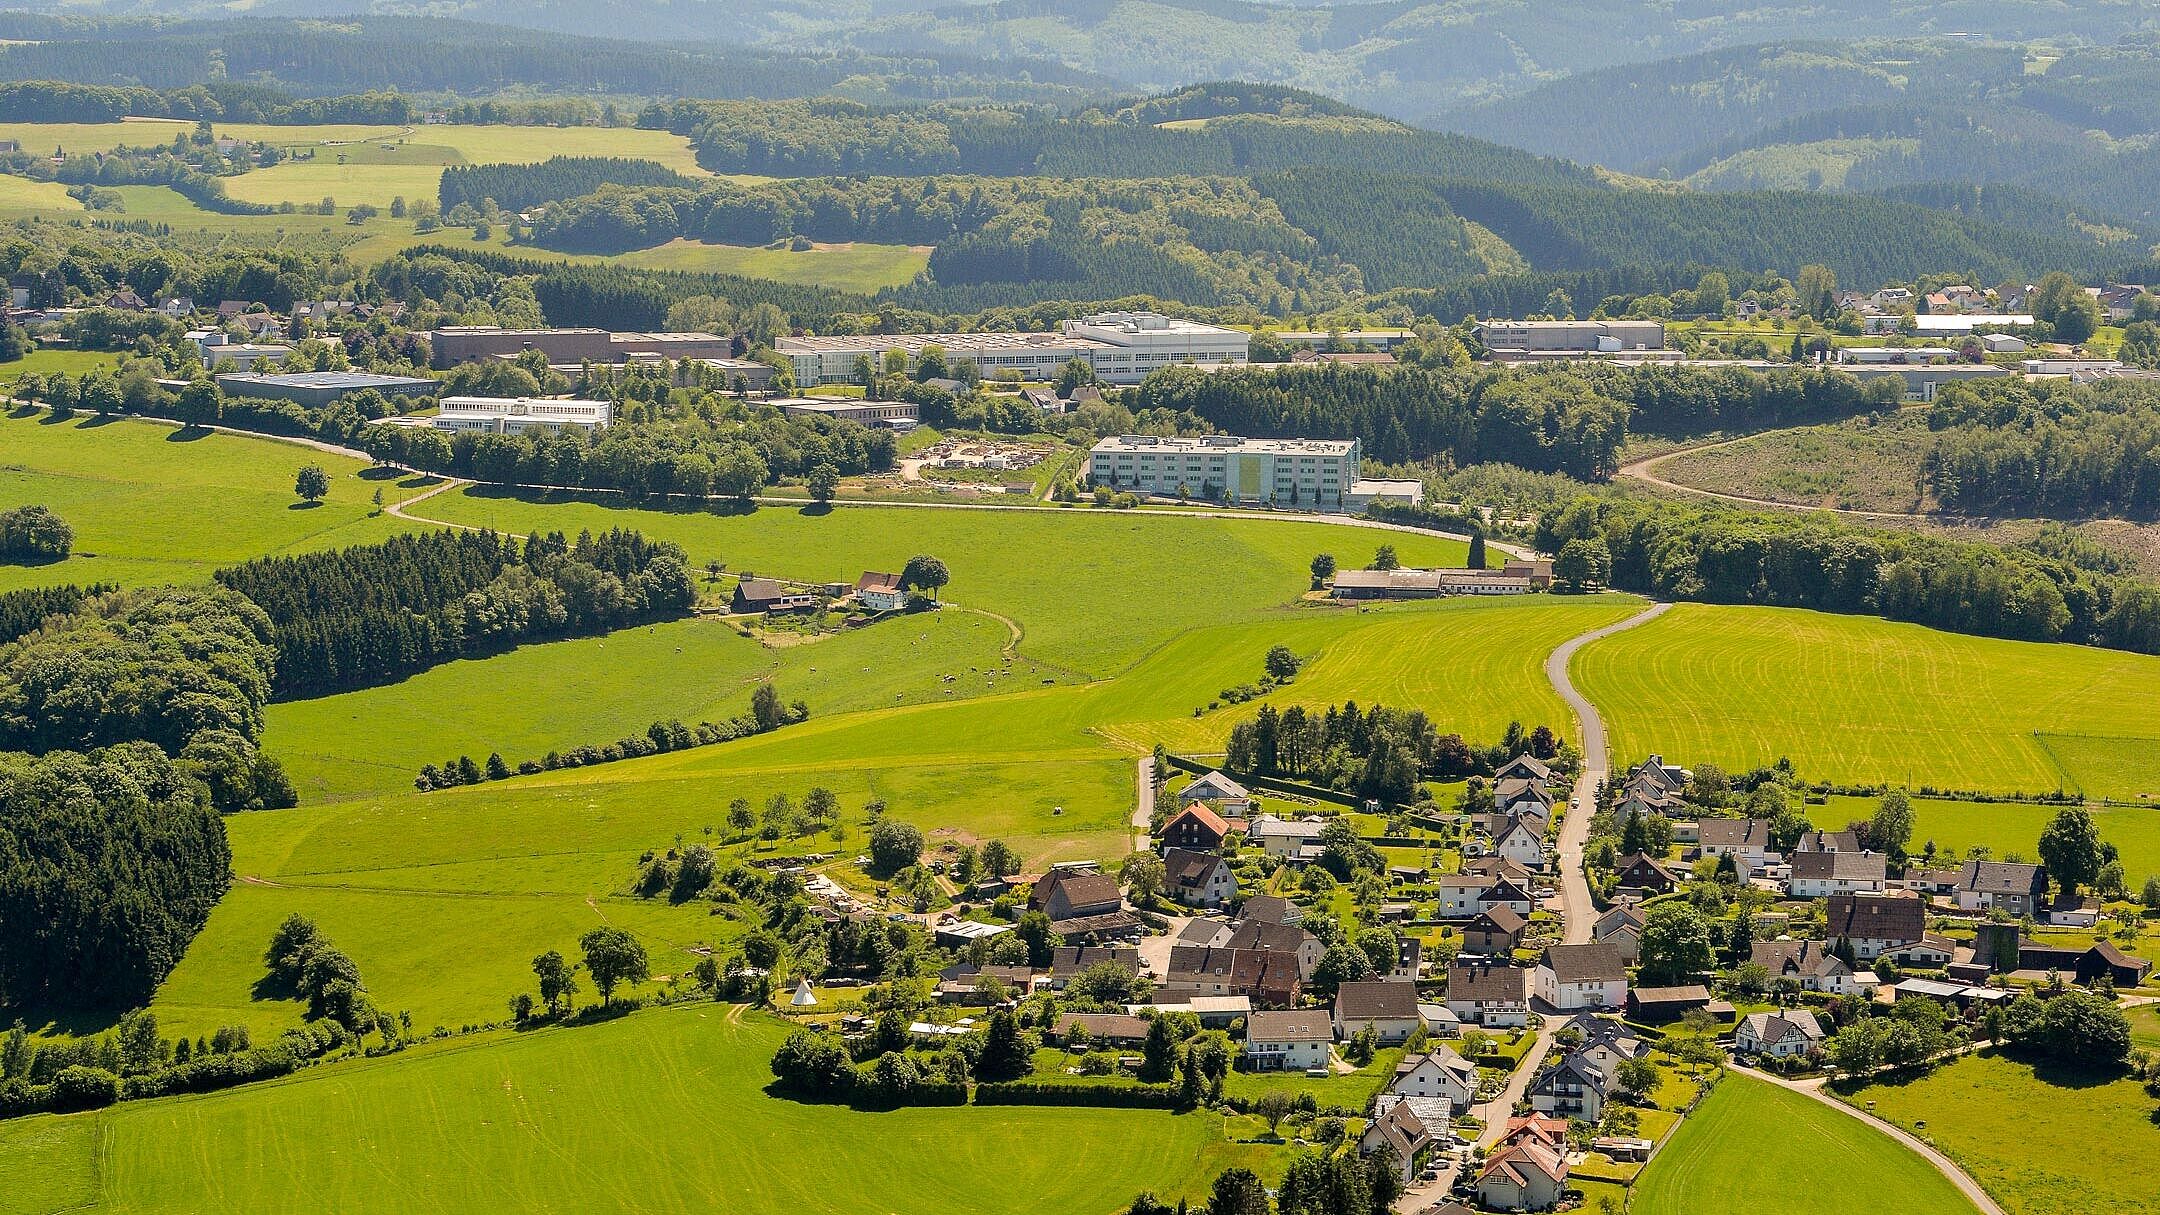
{"type": "Point", "coordinates": [1133, 1096]}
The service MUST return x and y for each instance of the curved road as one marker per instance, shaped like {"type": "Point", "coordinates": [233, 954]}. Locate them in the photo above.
{"type": "Point", "coordinates": [1943, 1164]}
{"type": "Point", "coordinates": [1645, 471]}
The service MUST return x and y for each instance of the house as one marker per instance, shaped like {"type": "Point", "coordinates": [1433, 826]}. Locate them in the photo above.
{"type": "Point", "coordinates": [1439, 1073]}
{"type": "Point", "coordinates": [1289, 1041]}
{"type": "Point", "coordinates": [1212, 787]}
{"type": "Point", "coordinates": [1196, 827]}
{"type": "Point", "coordinates": [1495, 931]}
{"type": "Point", "coordinates": [1871, 924]}
{"type": "Point", "coordinates": [1107, 1029]}
{"type": "Point", "coordinates": [2015, 889]}
{"type": "Point", "coordinates": [2073, 911]}
{"type": "Point", "coordinates": [1818, 875]}
{"type": "Point", "coordinates": [1827, 841]}
{"type": "Point", "coordinates": [1746, 840]}
{"type": "Point", "coordinates": [1279, 938]}
{"type": "Point", "coordinates": [1460, 894]}
{"type": "Point", "coordinates": [1408, 1126]}
{"type": "Point", "coordinates": [765, 595]}
{"type": "Point", "coordinates": [126, 301]}
{"type": "Point", "coordinates": [1571, 977]}
{"type": "Point", "coordinates": [2120, 969]}
{"type": "Point", "coordinates": [1284, 837]}
{"type": "Point", "coordinates": [1493, 868]}
{"type": "Point", "coordinates": [1198, 879]}
{"type": "Point", "coordinates": [1387, 1006]}
{"type": "Point", "coordinates": [1521, 842]}
{"type": "Point", "coordinates": [1267, 977]}
{"type": "Point", "coordinates": [1621, 927]}
{"type": "Point", "coordinates": [1511, 792]}
{"type": "Point", "coordinates": [1526, 767]}
{"type": "Point", "coordinates": [880, 592]}
{"type": "Point", "coordinates": [1808, 963]}
{"type": "Point", "coordinates": [1655, 771]}
{"type": "Point", "coordinates": [1659, 1005]}
{"type": "Point", "coordinates": [1508, 893]}
{"type": "Point", "coordinates": [1571, 1087]}
{"type": "Point", "coordinates": [1067, 961]}
{"type": "Point", "coordinates": [178, 306]}
{"type": "Point", "coordinates": [1525, 1176]}
{"type": "Point", "coordinates": [1930, 952]}
{"type": "Point", "coordinates": [1786, 1034]}
{"type": "Point", "coordinates": [1083, 904]}
{"type": "Point", "coordinates": [1640, 871]}
{"type": "Point", "coordinates": [1271, 909]}
{"type": "Point", "coordinates": [1489, 994]}
{"type": "Point", "coordinates": [1606, 1042]}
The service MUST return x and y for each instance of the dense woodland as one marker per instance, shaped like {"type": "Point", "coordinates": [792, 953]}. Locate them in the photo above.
{"type": "Point", "coordinates": [2047, 449]}
{"type": "Point", "coordinates": [371, 613]}
{"type": "Point", "coordinates": [516, 187]}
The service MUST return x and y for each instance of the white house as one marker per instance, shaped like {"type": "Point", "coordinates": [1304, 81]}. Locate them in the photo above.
{"type": "Point", "coordinates": [1214, 786]}
{"type": "Point", "coordinates": [1388, 1007]}
{"type": "Point", "coordinates": [1441, 1073]}
{"type": "Point", "coordinates": [1785, 1034]}
{"type": "Point", "coordinates": [1575, 977]}
{"type": "Point", "coordinates": [1198, 879]}
{"type": "Point", "coordinates": [1573, 1087]}
{"type": "Point", "coordinates": [1492, 995]}
{"type": "Point", "coordinates": [1290, 1040]}
{"type": "Point", "coordinates": [880, 592]}
{"type": "Point", "coordinates": [1460, 894]}
{"type": "Point", "coordinates": [1818, 875]}
{"type": "Point", "coordinates": [1521, 842]}
{"type": "Point", "coordinates": [1284, 837]}
{"type": "Point", "coordinates": [1621, 927]}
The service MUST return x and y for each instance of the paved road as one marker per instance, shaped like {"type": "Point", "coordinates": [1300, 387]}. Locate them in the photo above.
{"type": "Point", "coordinates": [1943, 1164]}
{"type": "Point", "coordinates": [1575, 826]}
{"type": "Point", "coordinates": [1143, 815]}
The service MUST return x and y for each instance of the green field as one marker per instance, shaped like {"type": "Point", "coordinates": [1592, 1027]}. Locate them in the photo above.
{"type": "Point", "coordinates": [149, 504]}
{"type": "Point", "coordinates": [2008, 827]}
{"type": "Point", "coordinates": [2040, 1143]}
{"type": "Point", "coordinates": [1857, 699]}
{"type": "Point", "coordinates": [853, 266]}
{"type": "Point", "coordinates": [660, 1111]}
{"type": "Point", "coordinates": [74, 137]}
{"type": "Point", "coordinates": [1753, 1146]}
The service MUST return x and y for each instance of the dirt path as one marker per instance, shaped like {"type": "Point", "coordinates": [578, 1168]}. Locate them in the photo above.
{"type": "Point", "coordinates": [1942, 1164]}
{"type": "Point", "coordinates": [1645, 471]}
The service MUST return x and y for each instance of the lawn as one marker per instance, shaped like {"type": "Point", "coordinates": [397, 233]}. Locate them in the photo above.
{"type": "Point", "coordinates": [74, 137]}
{"type": "Point", "coordinates": [151, 504]}
{"type": "Point", "coordinates": [1353, 1090]}
{"type": "Point", "coordinates": [2041, 1143]}
{"type": "Point", "coordinates": [1858, 699]}
{"type": "Point", "coordinates": [660, 1111]}
{"type": "Point", "coordinates": [2008, 827]}
{"type": "Point", "coordinates": [48, 362]}
{"type": "Point", "coordinates": [43, 197]}
{"type": "Point", "coordinates": [1753, 1146]}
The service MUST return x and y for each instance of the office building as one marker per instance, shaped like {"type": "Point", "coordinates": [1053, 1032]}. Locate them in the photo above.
{"type": "Point", "coordinates": [510, 416]}
{"type": "Point", "coordinates": [1514, 340]}
{"type": "Point", "coordinates": [1121, 347]}
{"type": "Point", "coordinates": [1316, 473]}
{"type": "Point", "coordinates": [319, 388]}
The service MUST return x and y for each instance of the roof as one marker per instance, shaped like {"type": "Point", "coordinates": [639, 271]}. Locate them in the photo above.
{"type": "Point", "coordinates": [2117, 958]}
{"type": "Point", "coordinates": [1200, 814]}
{"type": "Point", "coordinates": [1067, 959]}
{"type": "Point", "coordinates": [761, 588]}
{"type": "Point", "coordinates": [1876, 917]}
{"type": "Point", "coordinates": [1184, 867]}
{"type": "Point", "coordinates": [1104, 1025]}
{"type": "Point", "coordinates": [1268, 825]}
{"type": "Point", "coordinates": [1839, 866]}
{"type": "Point", "coordinates": [1686, 993]}
{"type": "Point", "coordinates": [2001, 877]}
{"type": "Point", "coordinates": [1524, 1158]}
{"type": "Point", "coordinates": [1774, 1026]}
{"type": "Point", "coordinates": [1502, 917]}
{"type": "Point", "coordinates": [1643, 860]}
{"type": "Point", "coordinates": [1530, 763]}
{"type": "Point", "coordinates": [1267, 908]}
{"type": "Point", "coordinates": [1084, 889]}
{"type": "Point", "coordinates": [1261, 934]}
{"type": "Point", "coordinates": [1488, 983]}
{"type": "Point", "coordinates": [1376, 999]}
{"type": "Point", "coordinates": [1595, 962]}
{"type": "Point", "coordinates": [1734, 832]}
{"type": "Point", "coordinates": [871, 581]}
{"type": "Point", "coordinates": [1828, 841]}
{"type": "Point", "coordinates": [1211, 786]}
{"type": "Point", "coordinates": [1805, 957]}
{"type": "Point", "coordinates": [1291, 1025]}
{"type": "Point", "coordinates": [323, 379]}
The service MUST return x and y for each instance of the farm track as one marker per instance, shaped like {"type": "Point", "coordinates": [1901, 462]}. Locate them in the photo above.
{"type": "Point", "coordinates": [1645, 471]}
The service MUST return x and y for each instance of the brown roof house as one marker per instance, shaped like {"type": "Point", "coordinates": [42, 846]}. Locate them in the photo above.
{"type": "Point", "coordinates": [1495, 931]}
{"type": "Point", "coordinates": [1084, 905]}
{"type": "Point", "coordinates": [1576, 977]}
{"type": "Point", "coordinates": [1198, 879]}
{"type": "Point", "coordinates": [765, 595]}
{"type": "Point", "coordinates": [2121, 969]}
{"type": "Point", "coordinates": [1267, 977]}
{"type": "Point", "coordinates": [1295, 1040]}
{"type": "Point", "coordinates": [1196, 827]}
{"type": "Point", "coordinates": [1810, 964]}
{"type": "Point", "coordinates": [1527, 1175]}
{"type": "Point", "coordinates": [880, 592]}
{"type": "Point", "coordinates": [1490, 994]}
{"type": "Point", "coordinates": [1870, 924]}
{"type": "Point", "coordinates": [1639, 871]}
{"type": "Point", "coordinates": [1388, 1006]}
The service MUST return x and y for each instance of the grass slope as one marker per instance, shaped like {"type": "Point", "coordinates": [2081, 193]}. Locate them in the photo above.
{"type": "Point", "coordinates": [2008, 827]}
{"type": "Point", "coordinates": [2040, 1142]}
{"type": "Point", "coordinates": [661, 1111]}
{"type": "Point", "coordinates": [1753, 1146]}
{"type": "Point", "coordinates": [151, 505]}
{"type": "Point", "coordinates": [1853, 698]}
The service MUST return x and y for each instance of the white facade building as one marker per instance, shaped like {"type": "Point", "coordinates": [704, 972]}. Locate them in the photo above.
{"type": "Point", "coordinates": [518, 415]}
{"type": "Point", "coordinates": [1315, 473]}
{"type": "Point", "coordinates": [1121, 347]}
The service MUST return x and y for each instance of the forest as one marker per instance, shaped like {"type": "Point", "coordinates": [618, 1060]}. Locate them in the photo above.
{"type": "Point", "coordinates": [2047, 449]}
{"type": "Point", "coordinates": [517, 187]}
{"type": "Point", "coordinates": [371, 613]}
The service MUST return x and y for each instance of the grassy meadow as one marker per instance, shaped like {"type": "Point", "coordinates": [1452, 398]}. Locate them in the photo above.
{"type": "Point", "coordinates": [1751, 1145]}
{"type": "Point", "coordinates": [2040, 1142]}
{"type": "Point", "coordinates": [150, 503]}
{"type": "Point", "coordinates": [2007, 828]}
{"type": "Point", "coordinates": [1861, 464]}
{"type": "Point", "coordinates": [663, 1110]}
{"type": "Point", "coordinates": [1857, 699]}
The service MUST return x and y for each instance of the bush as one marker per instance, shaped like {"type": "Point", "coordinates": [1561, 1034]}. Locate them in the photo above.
{"type": "Point", "coordinates": [894, 846]}
{"type": "Point", "coordinates": [1128, 1096]}
{"type": "Point", "coordinates": [84, 1088]}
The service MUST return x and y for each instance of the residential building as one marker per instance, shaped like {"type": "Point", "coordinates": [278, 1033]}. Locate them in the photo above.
{"type": "Point", "coordinates": [1106, 1029]}
{"type": "Point", "coordinates": [1495, 932]}
{"type": "Point", "coordinates": [1818, 875]}
{"type": "Point", "coordinates": [1286, 838]}
{"type": "Point", "coordinates": [320, 388]}
{"type": "Point", "coordinates": [1493, 995]}
{"type": "Point", "coordinates": [1573, 977]}
{"type": "Point", "coordinates": [1746, 840]}
{"type": "Point", "coordinates": [1386, 1006]}
{"type": "Point", "coordinates": [1506, 340]}
{"type": "Point", "coordinates": [1083, 904]}
{"type": "Point", "coordinates": [1810, 964]}
{"type": "Point", "coordinates": [1438, 1073]}
{"type": "Point", "coordinates": [1198, 879]}
{"type": "Point", "coordinates": [1196, 827]}
{"type": "Point", "coordinates": [1521, 842]}
{"type": "Point", "coordinates": [1280, 472]}
{"type": "Point", "coordinates": [519, 415]}
{"type": "Point", "coordinates": [1785, 1034]}
{"type": "Point", "coordinates": [1871, 924]}
{"type": "Point", "coordinates": [1069, 960]}
{"type": "Point", "coordinates": [1524, 767]}
{"type": "Point", "coordinates": [1930, 952]}
{"type": "Point", "coordinates": [1211, 787]}
{"type": "Point", "coordinates": [1827, 841]}
{"type": "Point", "coordinates": [1621, 927]}
{"type": "Point", "coordinates": [1524, 1176]}
{"type": "Point", "coordinates": [765, 595]}
{"type": "Point", "coordinates": [880, 592]}
{"type": "Point", "coordinates": [1570, 1087]}
{"type": "Point", "coordinates": [1640, 871]}
{"type": "Point", "coordinates": [1655, 772]}
{"type": "Point", "coordinates": [2015, 889]}
{"type": "Point", "coordinates": [1249, 933]}
{"type": "Point", "coordinates": [1269, 978]}
{"type": "Point", "coordinates": [1408, 1126]}
{"type": "Point", "coordinates": [1298, 1040]}
{"type": "Point", "coordinates": [1271, 909]}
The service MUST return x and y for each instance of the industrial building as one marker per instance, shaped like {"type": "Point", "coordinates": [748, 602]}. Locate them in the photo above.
{"type": "Point", "coordinates": [517, 415]}
{"type": "Point", "coordinates": [899, 415]}
{"type": "Point", "coordinates": [455, 344]}
{"type": "Point", "coordinates": [1316, 473]}
{"type": "Point", "coordinates": [1522, 340]}
{"type": "Point", "coordinates": [319, 388]}
{"type": "Point", "coordinates": [1121, 347]}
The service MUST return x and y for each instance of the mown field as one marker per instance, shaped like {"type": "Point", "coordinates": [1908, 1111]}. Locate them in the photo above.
{"type": "Point", "coordinates": [1857, 699]}
{"type": "Point", "coordinates": [660, 1111]}
{"type": "Point", "coordinates": [2040, 1142]}
{"type": "Point", "coordinates": [150, 504]}
{"type": "Point", "coordinates": [850, 266]}
{"type": "Point", "coordinates": [1753, 1146]}
{"type": "Point", "coordinates": [2008, 828]}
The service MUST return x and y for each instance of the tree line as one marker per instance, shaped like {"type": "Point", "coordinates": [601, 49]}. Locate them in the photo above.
{"type": "Point", "coordinates": [2030, 448]}
{"type": "Point", "coordinates": [369, 613]}
{"type": "Point", "coordinates": [515, 187]}
{"type": "Point", "coordinates": [1374, 752]}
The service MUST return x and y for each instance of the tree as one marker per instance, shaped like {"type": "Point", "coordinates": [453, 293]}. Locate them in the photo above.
{"type": "Point", "coordinates": [741, 818]}
{"type": "Point", "coordinates": [1675, 945]}
{"type": "Point", "coordinates": [924, 572]}
{"type": "Point", "coordinates": [1323, 568]}
{"type": "Point", "coordinates": [1583, 564]}
{"type": "Point", "coordinates": [894, 846]}
{"type": "Point", "coordinates": [1384, 558]}
{"type": "Point", "coordinates": [1477, 549]}
{"type": "Point", "coordinates": [200, 403]}
{"type": "Point", "coordinates": [312, 484]}
{"type": "Point", "coordinates": [2072, 312]}
{"type": "Point", "coordinates": [999, 859]}
{"type": "Point", "coordinates": [1274, 1105]}
{"type": "Point", "coordinates": [2085, 1029]}
{"type": "Point", "coordinates": [1034, 929]}
{"type": "Point", "coordinates": [1142, 874]}
{"type": "Point", "coordinates": [1816, 287]}
{"type": "Point", "coordinates": [1891, 828]}
{"type": "Point", "coordinates": [1158, 1052]}
{"type": "Point", "coordinates": [1282, 662]}
{"type": "Point", "coordinates": [2150, 895]}
{"type": "Point", "coordinates": [1005, 1055]}
{"type": "Point", "coordinates": [765, 708]}
{"type": "Point", "coordinates": [1638, 1076]}
{"type": "Point", "coordinates": [613, 957]}
{"type": "Point", "coordinates": [2071, 848]}
{"type": "Point", "coordinates": [1342, 963]}
{"type": "Point", "coordinates": [824, 482]}
{"type": "Point", "coordinates": [1239, 1192]}
{"type": "Point", "coordinates": [814, 1063]}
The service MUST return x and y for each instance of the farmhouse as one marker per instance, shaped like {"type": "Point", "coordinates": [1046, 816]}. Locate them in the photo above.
{"type": "Point", "coordinates": [880, 592]}
{"type": "Point", "coordinates": [1198, 879]}
{"type": "Point", "coordinates": [1110, 1029]}
{"type": "Point", "coordinates": [1289, 1040]}
{"type": "Point", "coordinates": [1196, 827]}
{"type": "Point", "coordinates": [765, 595]}
{"type": "Point", "coordinates": [1489, 994]}
{"type": "Point", "coordinates": [1286, 838]}
{"type": "Point", "coordinates": [1386, 1006]}
{"type": "Point", "coordinates": [1083, 904]}
{"type": "Point", "coordinates": [1786, 1034]}
{"type": "Point", "coordinates": [1872, 924]}
{"type": "Point", "coordinates": [1818, 875]}
{"type": "Point", "coordinates": [1572, 977]}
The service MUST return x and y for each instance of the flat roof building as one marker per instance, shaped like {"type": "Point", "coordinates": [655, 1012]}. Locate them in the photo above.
{"type": "Point", "coordinates": [517, 415]}
{"type": "Point", "coordinates": [869, 413]}
{"type": "Point", "coordinates": [1560, 339]}
{"type": "Point", "coordinates": [455, 344]}
{"type": "Point", "coordinates": [319, 388]}
{"type": "Point", "coordinates": [1315, 473]}
{"type": "Point", "coordinates": [1121, 347]}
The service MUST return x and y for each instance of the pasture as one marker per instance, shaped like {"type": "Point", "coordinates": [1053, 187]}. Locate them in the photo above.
{"type": "Point", "coordinates": [1858, 699]}
{"type": "Point", "coordinates": [151, 504]}
{"type": "Point", "coordinates": [1751, 1145]}
{"type": "Point", "coordinates": [667, 1106]}
{"type": "Point", "coordinates": [2042, 1142]}
{"type": "Point", "coordinates": [2008, 828]}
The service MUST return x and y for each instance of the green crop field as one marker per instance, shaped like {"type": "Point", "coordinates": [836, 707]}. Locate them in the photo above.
{"type": "Point", "coordinates": [2005, 828]}
{"type": "Point", "coordinates": [74, 137]}
{"type": "Point", "coordinates": [1852, 698]}
{"type": "Point", "coordinates": [151, 505]}
{"type": "Point", "coordinates": [49, 362]}
{"type": "Point", "coordinates": [2040, 1142]}
{"type": "Point", "coordinates": [661, 1111]}
{"type": "Point", "coordinates": [1753, 1146]}
{"type": "Point", "coordinates": [42, 197]}
{"type": "Point", "coordinates": [311, 181]}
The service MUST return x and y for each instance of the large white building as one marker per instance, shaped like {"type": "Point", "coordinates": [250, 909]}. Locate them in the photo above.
{"type": "Point", "coordinates": [1317, 473]}
{"type": "Point", "coordinates": [1122, 347]}
{"type": "Point", "coordinates": [517, 415]}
